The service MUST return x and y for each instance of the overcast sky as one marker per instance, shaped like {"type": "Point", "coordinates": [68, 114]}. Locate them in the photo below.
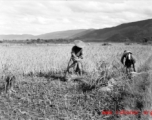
{"type": "Point", "coordinates": [44, 16]}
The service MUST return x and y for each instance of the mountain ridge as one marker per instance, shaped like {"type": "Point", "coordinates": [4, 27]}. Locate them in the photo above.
{"type": "Point", "coordinates": [132, 31]}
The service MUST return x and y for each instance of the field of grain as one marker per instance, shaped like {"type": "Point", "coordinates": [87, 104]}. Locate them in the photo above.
{"type": "Point", "coordinates": [42, 94]}
{"type": "Point", "coordinates": [54, 58]}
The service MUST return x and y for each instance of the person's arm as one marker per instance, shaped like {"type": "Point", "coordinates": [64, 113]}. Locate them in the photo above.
{"type": "Point", "coordinates": [122, 58]}
{"type": "Point", "coordinates": [73, 54]}
{"type": "Point", "coordinates": [81, 54]}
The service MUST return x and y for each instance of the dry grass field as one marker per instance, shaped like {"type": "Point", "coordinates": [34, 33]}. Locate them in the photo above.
{"type": "Point", "coordinates": [40, 92]}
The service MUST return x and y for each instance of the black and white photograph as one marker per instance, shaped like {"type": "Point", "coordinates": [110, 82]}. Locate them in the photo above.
{"type": "Point", "coordinates": [75, 59]}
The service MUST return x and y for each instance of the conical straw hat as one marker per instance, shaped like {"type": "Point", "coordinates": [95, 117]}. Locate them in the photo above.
{"type": "Point", "coordinates": [79, 43]}
{"type": "Point", "coordinates": [127, 51]}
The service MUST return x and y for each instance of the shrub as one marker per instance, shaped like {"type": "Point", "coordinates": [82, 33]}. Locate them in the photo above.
{"type": "Point", "coordinates": [106, 44]}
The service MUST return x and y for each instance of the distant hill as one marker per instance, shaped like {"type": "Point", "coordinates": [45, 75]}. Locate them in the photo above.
{"type": "Point", "coordinates": [16, 37]}
{"type": "Point", "coordinates": [69, 34]}
{"type": "Point", "coordinates": [134, 32]}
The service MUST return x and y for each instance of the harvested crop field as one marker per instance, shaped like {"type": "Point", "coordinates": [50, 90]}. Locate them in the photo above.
{"type": "Point", "coordinates": [41, 92]}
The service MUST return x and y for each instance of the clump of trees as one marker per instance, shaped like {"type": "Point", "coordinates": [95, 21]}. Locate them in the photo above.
{"type": "Point", "coordinates": [33, 41]}
{"type": "Point", "coordinates": [147, 40]}
{"type": "Point", "coordinates": [106, 44]}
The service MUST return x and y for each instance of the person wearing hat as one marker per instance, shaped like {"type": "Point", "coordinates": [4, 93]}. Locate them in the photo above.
{"type": "Point", "coordinates": [76, 57]}
{"type": "Point", "coordinates": [128, 60]}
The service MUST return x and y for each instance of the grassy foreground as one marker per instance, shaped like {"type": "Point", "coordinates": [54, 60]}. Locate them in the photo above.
{"type": "Point", "coordinates": [42, 94]}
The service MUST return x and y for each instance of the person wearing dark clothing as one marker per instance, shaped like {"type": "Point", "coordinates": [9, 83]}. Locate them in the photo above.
{"type": "Point", "coordinates": [76, 57]}
{"type": "Point", "coordinates": [76, 52]}
{"type": "Point", "coordinates": [128, 60]}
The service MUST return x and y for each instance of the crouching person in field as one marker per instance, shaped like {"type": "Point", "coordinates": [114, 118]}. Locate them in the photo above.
{"type": "Point", "coordinates": [128, 61]}
{"type": "Point", "coordinates": [76, 57]}
{"type": "Point", "coordinates": [7, 83]}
